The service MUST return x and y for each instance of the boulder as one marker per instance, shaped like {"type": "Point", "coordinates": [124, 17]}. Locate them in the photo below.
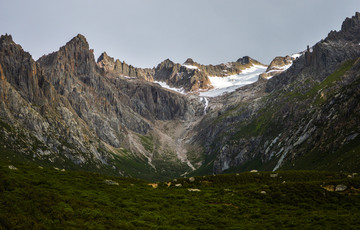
{"type": "Point", "coordinates": [12, 167]}
{"type": "Point", "coordinates": [330, 188]}
{"type": "Point", "coordinates": [274, 175]}
{"type": "Point", "coordinates": [111, 182]}
{"type": "Point", "coordinates": [340, 188]}
{"type": "Point", "coordinates": [154, 185]}
{"type": "Point", "coordinates": [194, 190]}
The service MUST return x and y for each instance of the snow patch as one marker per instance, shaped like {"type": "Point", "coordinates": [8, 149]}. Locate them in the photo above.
{"type": "Point", "coordinates": [127, 77]}
{"type": "Point", "coordinates": [164, 85]}
{"type": "Point", "coordinates": [190, 66]}
{"type": "Point", "coordinates": [206, 103]}
{"type": "Point", "coordinates": [282, 68]}
{"type": "Point", "coordinates": [296, 55]}
{"type": "Point", "coordinates": [229, 84]}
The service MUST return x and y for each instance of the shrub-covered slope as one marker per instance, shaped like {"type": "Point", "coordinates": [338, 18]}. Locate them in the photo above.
{"type": "Point", "coordinates": [48, 198]}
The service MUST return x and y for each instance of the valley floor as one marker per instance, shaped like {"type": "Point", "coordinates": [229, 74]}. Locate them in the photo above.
{"type": "Point", "coordinates": [33, 197]}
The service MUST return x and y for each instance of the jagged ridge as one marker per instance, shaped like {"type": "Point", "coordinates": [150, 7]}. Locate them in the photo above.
{"type": "Point", "coordinates": [190, 76]}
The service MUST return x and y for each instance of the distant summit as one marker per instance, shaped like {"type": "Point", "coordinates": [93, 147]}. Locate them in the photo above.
{"type": "Point", "coordinates": [189, 76]}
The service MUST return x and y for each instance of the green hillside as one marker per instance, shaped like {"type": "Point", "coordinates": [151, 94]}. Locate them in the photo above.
{"type": "Point", "coordinates": [33, 197]}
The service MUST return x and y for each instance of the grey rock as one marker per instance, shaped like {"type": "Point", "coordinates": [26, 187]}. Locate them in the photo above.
{"type": "Point", "coordinates": [274, 175]}
{"type": "Point", "coordinates": [340, 188]}
{"type": "Point", "coordinates": [111, 182]}
{"type": "Point", "coordinates": [194, 190]}
{"type": "Point", "coordinates": [12, 167]}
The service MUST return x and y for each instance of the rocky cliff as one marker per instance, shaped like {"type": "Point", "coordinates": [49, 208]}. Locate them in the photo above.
{"type": "Point", "coordinates": [66, 110]}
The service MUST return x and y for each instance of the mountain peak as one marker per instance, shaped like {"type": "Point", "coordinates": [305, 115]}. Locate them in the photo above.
{"type": "Point", "coordinates": [80, 36]}
{"type": "Point", "coordinates": [349, 23]}
{"type": "Point", "coordinates": [6, 38]}
{"type": "Point", "coordinates": [167, 62]}
{"type": "Point", "coordinates": [350, 30]}
{"type": "Point", "coordinates": [189, 61]}
{"type": "Point", "coordinates": [78, 40]}
{"type": "Point", "coordinates": [244, 60]}
{"type": "Point", "coordinates": [75, 53]}
{"type": "Point", "coordinates": [7, 42]}
{"type": "Point", "coordinates": [104, 56]}
{"type": "Point", "coordinates": [106, 62]}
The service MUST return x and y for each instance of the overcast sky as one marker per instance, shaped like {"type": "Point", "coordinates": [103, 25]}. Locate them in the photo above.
{"type": "Point", "coordinates": [146, 32]}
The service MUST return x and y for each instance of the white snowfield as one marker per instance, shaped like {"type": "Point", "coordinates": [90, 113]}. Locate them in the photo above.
{"type": "Point", "coordinates": [224, 85]}
{"type": "Point", "coordinates": [229, 84]}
